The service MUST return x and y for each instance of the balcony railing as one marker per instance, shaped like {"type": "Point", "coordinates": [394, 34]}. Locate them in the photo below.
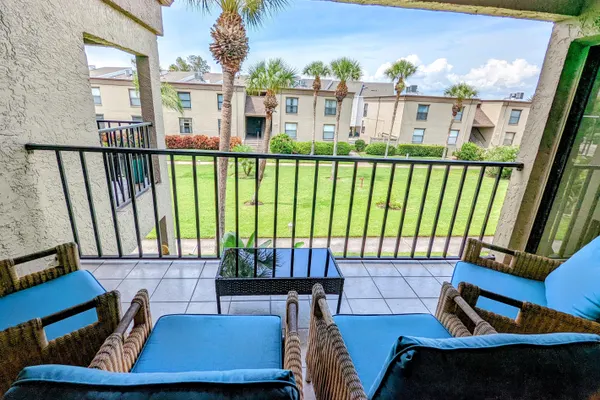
{"type": "Point", "coordinates": [129, 134]}
{"type": "Point", "coordinates": [378, 208]}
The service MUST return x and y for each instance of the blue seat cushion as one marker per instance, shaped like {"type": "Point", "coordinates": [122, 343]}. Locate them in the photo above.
{"type": "Point", "coordinates": [369, 338]}
{"type": "Point", "coordinates": [180, 343]}
{"type": "Point", "coordinates": [50, 297]}
{"type": "Point", "coordinates": [498, 282]}
{"type": "Point", "coordinates": [47, 382]}
{"type": "Point", "coordinates": [574, 287]}
{"type": "Point", "coordinates": [501, 366]}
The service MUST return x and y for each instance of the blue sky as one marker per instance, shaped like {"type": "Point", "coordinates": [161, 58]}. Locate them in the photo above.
{"type": "Point", "coordinates": [497, 55]}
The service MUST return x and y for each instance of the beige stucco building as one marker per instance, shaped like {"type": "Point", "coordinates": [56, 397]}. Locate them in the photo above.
{"type": "Point", "coordinates": [427, 119]}
{"type": "Point", "coordinates": [202, 98]}
{"type": "Point", "coordinates": [45, 98]}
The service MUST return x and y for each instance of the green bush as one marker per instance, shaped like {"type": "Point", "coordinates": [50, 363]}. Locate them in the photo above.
{"type": "Point", "coordinates": [246, 163]}
{"type": "Point", "coordinates": [302, 147]}
{"type": "Point", "coordinates": [420, 150]}
{"type": "Point", "coordinates": [469, 152]}
{"type": "Point", "coordinates": [501, 153]}
{"type": "Point", "coordinates": [378, 149]}
{"type": "Point", "coordinates": [360, 145]}
{"type": "Point", "coordinates": [322, 148]}
{"type": "Point", "coordinates": [282, 144]}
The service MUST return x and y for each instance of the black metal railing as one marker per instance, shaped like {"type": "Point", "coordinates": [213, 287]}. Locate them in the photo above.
{"type": "Point", "coordinates": [378, 208]}
{"type": "Point", "coordinates": [126, 134]}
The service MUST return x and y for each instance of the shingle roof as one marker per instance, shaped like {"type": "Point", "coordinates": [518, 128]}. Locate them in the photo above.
{"type": "Point", "coordinates": [255, 106]}
{"type": "Point", "coordinates": [99, 72]}
{"type": "Point", "coordinates": [481, 120]}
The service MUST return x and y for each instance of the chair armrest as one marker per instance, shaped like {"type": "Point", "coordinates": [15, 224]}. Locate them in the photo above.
{"type": "Point", "coordinates": [120, 350]}
{"type": "Point", "coordinates": [292, 352]}
{"type": "Point", "coordinates": [26, 344]}
{"type": "Point", "coordinates": [67, 260]}
{"type": "Point", "coordinates": [328, 363]}
{"type": "Point", "coordinates": [525, 265]}
{"type": "Point", "coordinates": [532, 318]}
{"type": "Point", "coordinates": [458, 316]}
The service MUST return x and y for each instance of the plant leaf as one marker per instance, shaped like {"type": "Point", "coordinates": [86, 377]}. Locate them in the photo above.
{"type": "Point", "coordinates": [266, 244]}
{"type": "Point", "coordinates": [298, 245]}
{"type": "Point", "coordinates": [250, 243]}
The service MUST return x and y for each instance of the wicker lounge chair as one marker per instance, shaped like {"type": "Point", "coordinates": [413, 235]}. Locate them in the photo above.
{"type": "Point", "coordinates": [530, 293]}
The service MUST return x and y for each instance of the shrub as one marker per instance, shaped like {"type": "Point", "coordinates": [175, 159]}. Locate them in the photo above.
{"type": "Point", "coordinates": [501, 153]}
{"type": "Point", "coordinates": [197, 142]}
{"type": "Point", "coordinates": [301, 147]}
{"type": "Point", "coordinates": [420, 150]}
{"type": "Point", "coordinates": [360, 145]}
{"type": "Point", "coordinates": [378, 149]}
{"type": "Point", "coordinates": [322, 148]}
{"type": "Point", "coordinates": [343, 148]}
{"type": "Point", "coordinates": [246, 163]}
{"type": "Point", "coordinates": [282, 144]}
{"type": "Point", "coordinates": [469, 152]}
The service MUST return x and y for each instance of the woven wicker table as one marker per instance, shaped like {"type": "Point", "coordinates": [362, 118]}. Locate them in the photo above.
{"type": "Point", "coordinates": [265, 271]}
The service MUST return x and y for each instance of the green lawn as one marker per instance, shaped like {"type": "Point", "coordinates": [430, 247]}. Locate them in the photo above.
{"type": "Point", "coordinates": [340, 216]}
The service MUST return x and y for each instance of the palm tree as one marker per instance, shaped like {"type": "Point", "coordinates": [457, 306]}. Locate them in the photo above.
{"type": "Point", "coordinates": [270, 77]}
{"type": "Point", "coordinates": [316, 69]}
{"type": "Point", "coordinates": [460, 91]}
{"type": "Point", "coordinates": [344, 69]}
{"type": "Point", "coordinates": [398, 72]}
{"type": "Point", "coordinates": [230, 48]}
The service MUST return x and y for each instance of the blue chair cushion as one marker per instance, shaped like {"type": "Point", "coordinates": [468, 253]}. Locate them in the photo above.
{"type": "Point", "coordinates": [501, 366]}
{"type": "Point", "coordinates": [49, 298]}
{"type": "Point", "coordinates": [47, 382]}
{"type": "Point", "coordinates": [498, 282]}
{"type": "Point", "coordinates": [574, 287]}
{"type": "Point", "coordinates": [180, 343]}
{"type": "Point", "coordinates": [369, 337]}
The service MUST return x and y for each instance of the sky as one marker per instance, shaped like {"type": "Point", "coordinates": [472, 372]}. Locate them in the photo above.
{"type": "Point", "coordinates": [496, 55]}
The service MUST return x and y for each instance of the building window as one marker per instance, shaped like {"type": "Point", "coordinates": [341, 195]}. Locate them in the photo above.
{"type": "Point", "coordinates": [328, 132]}
{"type": "Point", "coordinates": [134, 98]}
{"type": "Point", "coordinates": [362, 129]}
{"type": "Point", "coordinates": [453, 137]}
{"type": "Point", "coordinates": [366, 110]}
{"type": "Point", "coordinates": [185, 125]}
{"type": "Point", "coordinates": [185, 98]}
{"type": "Point", "coordinates": [99, 121]}
{"type": "Point", "coordinates": [291, 105]}
{"type": "Point", "coordinates": [459, 115]}
{"type": "Point", "coordinates": [330, 107]}
{"type": "Point", "coordinates": [509, 138]}
{"type": "Point", "coordinates": [422, 112]}
{"type": "Point", "coordinates": [96, 96]}
{"type": "Point", "coordinates": [219, 101]}
{"type": "Point", "coordinates": [291, 129]}
{"type": "Point", "coordinates": [418, 135]}
{"type": "Point", "coordinates": [219, 126]}
{"type": "Point", "coordinates": [137, 118]}
{"type": "Point", "coordinates": [515, 116]}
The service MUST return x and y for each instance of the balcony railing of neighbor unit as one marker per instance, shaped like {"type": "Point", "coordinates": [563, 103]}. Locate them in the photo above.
{"type": "Point", "coordinates": [126, 134]}
{"type": "Point", "coordinates": [377, 208]}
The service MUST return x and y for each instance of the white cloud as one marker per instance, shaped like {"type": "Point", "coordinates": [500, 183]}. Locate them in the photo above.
{"type": "Point", "coordinates": [431, 76]}
{"type": "Point", "coordinates": [499, 74]}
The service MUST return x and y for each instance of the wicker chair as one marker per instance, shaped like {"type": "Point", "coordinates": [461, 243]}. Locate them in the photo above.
{"type": "Point", "coordinates": [328, 361]}
{"type": "Point", "coordinates": [531, 318]}
{"type": "Point", "coordinates": [26, 344]}
{"type": "Point", "coordinates": [121, 349]}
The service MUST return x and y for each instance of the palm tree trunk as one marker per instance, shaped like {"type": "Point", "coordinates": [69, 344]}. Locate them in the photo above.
{"type": "Point", "coordinates": [314, 127]}
{"type": "Point", "coordinates": [265, 149]}
{"type": "Point", "coordinates": [387, 146]}
{"type": "Point", "coordinates": [338, 112]}
{"type": "Point", "coordinates": [224, 142]}
{"type": "Point", "coordinates": [447, 137]}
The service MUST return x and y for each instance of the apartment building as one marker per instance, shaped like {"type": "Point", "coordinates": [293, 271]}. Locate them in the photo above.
{"type": "Point", "coordinates": [201, 96]}
{"type": "Point", "coordinates": [427, 119]}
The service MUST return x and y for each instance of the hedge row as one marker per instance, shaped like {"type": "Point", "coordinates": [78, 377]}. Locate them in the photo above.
{"type": "Point", "coordinates": [197, 142]}
{"type": "Point", "coordinates": [283, 144]}
{"type": "Point", "coordinates": [413, 150]}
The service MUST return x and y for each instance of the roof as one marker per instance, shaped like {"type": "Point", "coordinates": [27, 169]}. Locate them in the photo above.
{"type": "Point", "coordinates": [255, 106]}
{"type": "Point", "coordinates": [108, 72]}
{"type": "Point", "coordinates": [481, 120]}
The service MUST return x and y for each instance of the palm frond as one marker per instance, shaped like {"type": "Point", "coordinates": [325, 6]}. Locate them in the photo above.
{"type": "Point", "coordinates": [170, 98]}
{"type": "Point", "coordinates": [461, 91]}
{"type": "Point", "coordinates": [317, 68]}
{"type": "Point", "coordinates": [346, 69]}
{"type": "Point", "coordinates": [400, 70]}
{"type": "Point", "coordinates": [253, 12]}
{"type": "Point", "coordinates": [271, 75]}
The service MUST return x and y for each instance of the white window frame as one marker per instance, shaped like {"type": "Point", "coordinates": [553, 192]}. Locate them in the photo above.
{"type": "Point", "coordinates": [182, 122]}
{"type": "Point", "coordinates": [295, 124]}
{"type": "Point", "coordinates": [419, 113]}
{"type": "Point", "coordinates": [330, 101]}
{"type": "Point", "coordinates": [512, 139]}
{"type": "Point", "coordinates": [97, 95]}
{"type": "Point", "coordinates": [422, 136]}
{"type": "Point", "coordinates": [332, 132]}
{"type": "Point", "coordinates": [291, 105]}
{"type": "Point", "coordinates": [459, 115]}
{"type": "Point", "coordinates": [453, 136]}
{"type": "Point", "coordinates": [134, 98]}
{"type": "Point", "coordinates": [219, 101]}
{"type": "Point", "coordinates": [185, 103]}
{"type": "Point", "coordinates": [510, 118]}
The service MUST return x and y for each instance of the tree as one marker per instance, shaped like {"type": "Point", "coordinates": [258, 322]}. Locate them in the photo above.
{"type": "Point", "coordinates": [168, 95]}
{"type": "Point", "coordinates": [268, 77]}
{"type": "Point", "coordinates": [344, 69]}
{"type": "Point", "coordinates": [192, 63]}
{"type": "Point", "coordinates": [460, 91]}
{"type": "Point", "coordinates": [230, 48]}
{"type": "Point", "coordinates": [398, 72]}
{"type": "Point", "coordinates": [316, 69]}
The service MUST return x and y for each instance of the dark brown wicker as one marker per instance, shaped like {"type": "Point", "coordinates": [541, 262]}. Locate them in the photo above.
{"type": "Point", "coordinates": [532, 318]}
{"type": "Point", "coordinates": [328, 363]}
{"type": "Point", "coordinates": [26, 344]}
{"type": "Point", "coordinates": [121, 349]}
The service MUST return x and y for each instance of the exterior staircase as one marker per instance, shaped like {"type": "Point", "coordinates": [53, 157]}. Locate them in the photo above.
{"type": "Point", "coordinates": [254, 143]}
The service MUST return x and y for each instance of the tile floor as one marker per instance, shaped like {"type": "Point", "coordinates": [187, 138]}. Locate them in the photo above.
{"type": "Point", "coordinates": [188, 287]}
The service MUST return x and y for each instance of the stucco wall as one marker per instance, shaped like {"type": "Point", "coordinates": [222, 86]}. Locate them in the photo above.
{"type": "Point", "coordinates": [499, 114]}
{"type": "Point", "coordinates": [45, 98]}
